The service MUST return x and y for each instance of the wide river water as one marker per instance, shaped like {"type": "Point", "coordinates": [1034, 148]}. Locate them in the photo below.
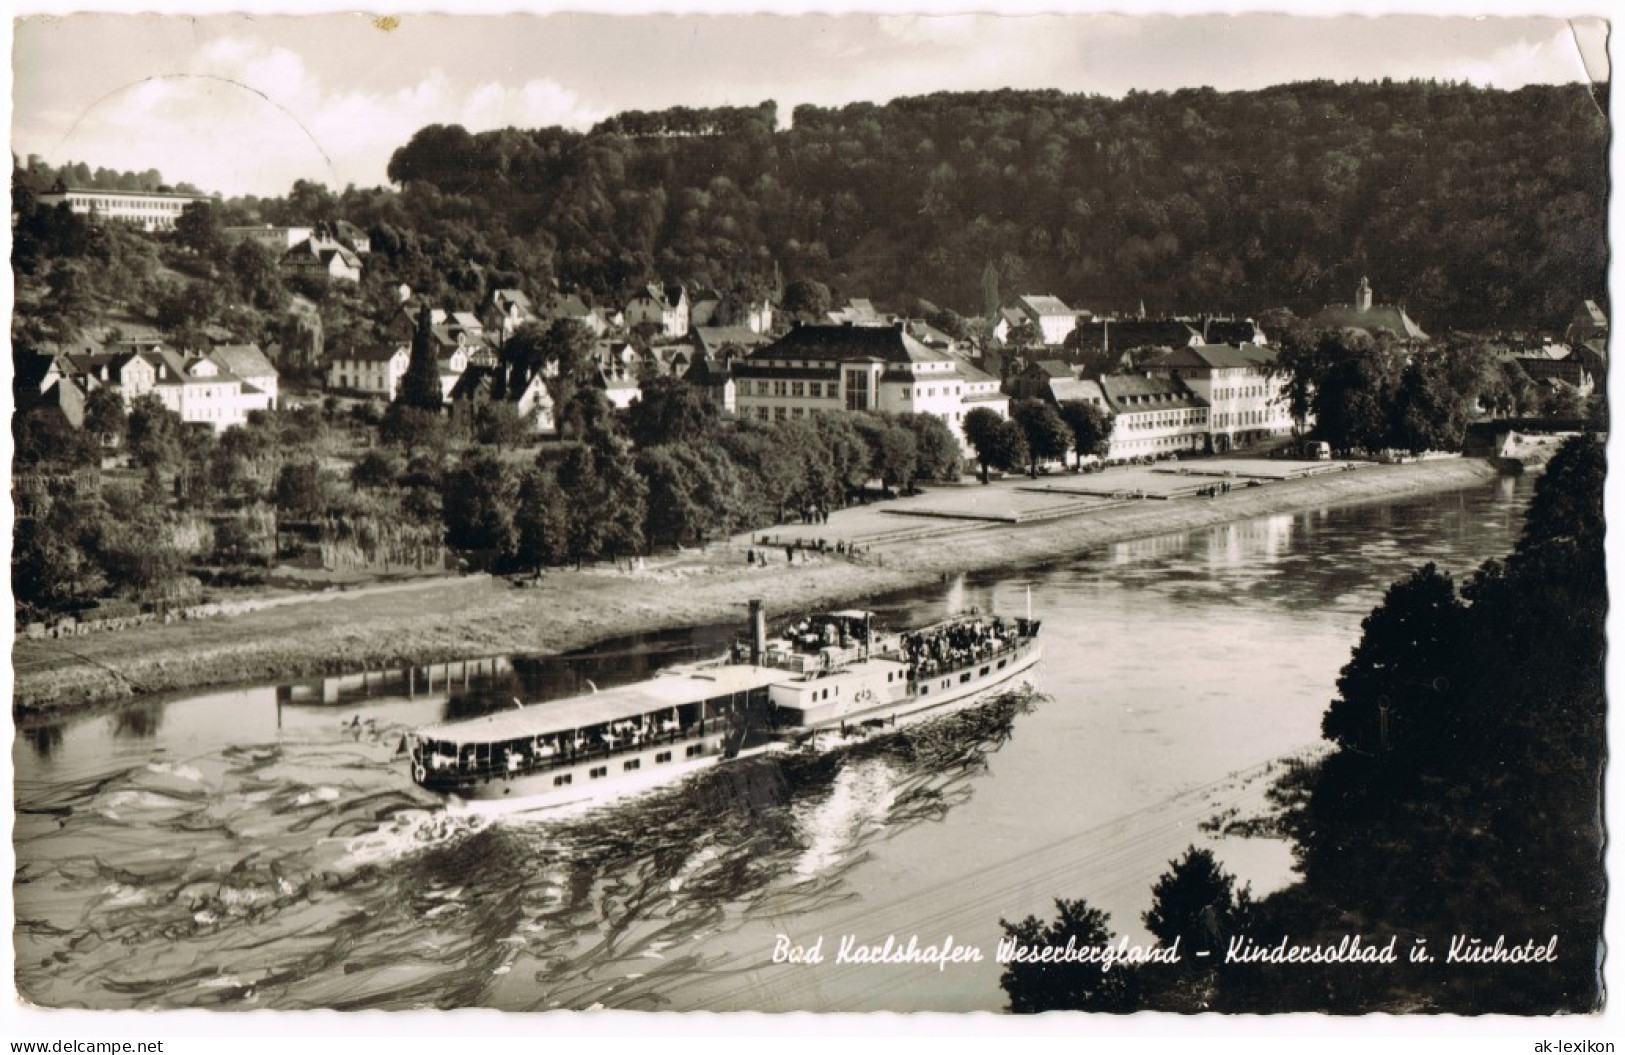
{"type": "Point", "coordinates": [265, 847]}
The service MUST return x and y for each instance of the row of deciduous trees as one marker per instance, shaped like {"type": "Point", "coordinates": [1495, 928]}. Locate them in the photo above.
{"type": "Point", "coordinates": [1035, 432]}
{"type": "Point", "coordinates": [674, 474]}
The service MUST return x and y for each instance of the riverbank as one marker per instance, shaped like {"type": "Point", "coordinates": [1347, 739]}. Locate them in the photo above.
{"type": "Point", "coordinates": [569, 609]}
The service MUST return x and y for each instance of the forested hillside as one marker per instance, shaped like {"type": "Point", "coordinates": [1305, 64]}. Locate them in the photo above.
{"type": "Point", "coordinates": [1472, 207]}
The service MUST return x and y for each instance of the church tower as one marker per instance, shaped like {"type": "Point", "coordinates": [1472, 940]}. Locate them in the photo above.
{"type": "Point", "coordinates": [1362, 296]}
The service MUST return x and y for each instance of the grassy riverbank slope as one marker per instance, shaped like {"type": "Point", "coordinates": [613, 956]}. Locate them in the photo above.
{"type": "Point", "coordinates": [479, 616]}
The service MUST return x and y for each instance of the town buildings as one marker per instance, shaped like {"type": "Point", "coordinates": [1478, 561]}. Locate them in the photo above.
{"type": "Point", "coordinates": [1247, 400]}
{"type": "Point", "coordinates": [860, 368]}
{"type": "Point", "coordinates": [1154, 417]}
{"type": "Point", "coordinates": [201, 389]}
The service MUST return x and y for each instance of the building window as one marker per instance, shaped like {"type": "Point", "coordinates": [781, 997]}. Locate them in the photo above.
{"type": "Point", "coordinates": [780, 414]}
{"type": "Point", "coordinates": [598, 771]}
{"type": "Point", "coordinates": [857, 390]}
{"type": "Point", "coordinates": [798, 389]}
{"type": "Point", "coordinates": [778, 388]}
{"type": "Point", "coordinates": [694, 749]}
{"type": "Point", "coordinates": [664, 756]}
{"type": "Point", "coordinates": [562, 779]}
{"type": "Point", "coordinates": [631, 764]}
{"type": "Point", "coordinates": [815, 389]}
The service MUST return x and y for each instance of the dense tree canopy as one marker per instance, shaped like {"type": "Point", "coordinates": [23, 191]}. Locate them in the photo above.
{"type": "Point", "coordinates": [1193, 200]}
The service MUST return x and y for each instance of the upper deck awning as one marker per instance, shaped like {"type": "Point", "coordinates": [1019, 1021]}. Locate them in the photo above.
{"type": "Point", "coordinates": [661, 693]}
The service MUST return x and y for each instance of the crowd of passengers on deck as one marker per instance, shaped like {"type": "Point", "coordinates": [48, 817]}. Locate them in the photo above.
{"type": "Point", "coordinates": [937, 649]}
{"type": "Point", "coordinates": [516, 756]}
{"type": "Point", "coordinates": [812, 637]}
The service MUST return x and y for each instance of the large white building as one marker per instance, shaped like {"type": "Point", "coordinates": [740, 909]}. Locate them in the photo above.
{"type": "Point", "coordinates": [1154, 417]}
{"type": "Point", "coordinates": [1247, 399]}
{"type": "Point", "coordinates": [860, 368]}
{"type": "Point", "coordinates": [148, 210]}
{"type": "Point", "coordinates": [1051, 315]}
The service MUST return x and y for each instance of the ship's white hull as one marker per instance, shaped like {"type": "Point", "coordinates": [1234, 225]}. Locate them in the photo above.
{"type": "Point", "coordinates": [941, 694]}
{"type": "Point", "coordinates": [537, 793]}
{"type": "Point", "coordinates": [595, 782]}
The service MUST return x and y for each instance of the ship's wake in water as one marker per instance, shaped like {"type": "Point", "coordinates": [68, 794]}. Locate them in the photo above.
{"type": "Point", "coordinates": [310, 873]}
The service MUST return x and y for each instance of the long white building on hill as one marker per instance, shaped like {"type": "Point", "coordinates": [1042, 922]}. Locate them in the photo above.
{"type": "Point", "coordinates": [148, 210]}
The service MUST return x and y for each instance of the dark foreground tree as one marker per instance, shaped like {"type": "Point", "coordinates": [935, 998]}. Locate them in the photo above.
{"type": "Point", "coordinates": [420, 385]}
{"type": "Point", "coordinates": [1066, 986]}
{"type": "Point", "coordinates": [1195, 904]}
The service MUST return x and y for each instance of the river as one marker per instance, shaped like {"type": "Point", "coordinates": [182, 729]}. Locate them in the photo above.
{"type": "Point", "coordinates": [265, 847]}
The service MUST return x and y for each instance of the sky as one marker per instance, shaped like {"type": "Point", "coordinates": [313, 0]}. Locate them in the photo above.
{"type": "Point", "coordinates": [248, 104]}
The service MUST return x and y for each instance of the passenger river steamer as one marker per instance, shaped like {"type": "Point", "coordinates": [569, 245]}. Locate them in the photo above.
{"type": "Point", "coordinates": [827, 679]}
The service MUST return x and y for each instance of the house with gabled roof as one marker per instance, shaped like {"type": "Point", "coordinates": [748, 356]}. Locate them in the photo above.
{"type": "Point", "coordinates": [858, 311]}
{"type": "Point", "coordinates": [509, 309]}
{"type": "Point", "coordinates": [722, 341]}
{"type": "Point", "coordinates": [1103, 340]}
{"type": "Point", "coordinates": [1079, 390]}
{"type": "Point", "coordinates": [132, 373]}
{"type": "Point", "coordinates": [1006, 321]}
{"type": "Point", "coordinates": [620, 385]}
{"type": "Point", "coordinates": [1051, 315]}
{"type": "Point", "coordinates": [664, 306]}
{"type": "Point", "coordinates": [325, 259]}
{"type": "Point", "coordinates": [526, 390]}
{"type": "Point", "coordinates": [716, 381]}
{"type": "Point", "coordinates": [201, 391]}
{"type": "Point", "coordinates": [248, 362]}
{"type": "Point", "coordinates": [374, 371]}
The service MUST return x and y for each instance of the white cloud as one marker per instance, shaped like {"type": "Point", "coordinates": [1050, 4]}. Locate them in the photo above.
{"type": "Point", "coordinates": [1554, 60]}
{"type": "Point", "coordinates": [192, 125]}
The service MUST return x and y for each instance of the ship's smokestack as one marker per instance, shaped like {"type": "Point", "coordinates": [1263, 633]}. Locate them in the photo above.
{"type": "Point", "coordinates": [758, 632]}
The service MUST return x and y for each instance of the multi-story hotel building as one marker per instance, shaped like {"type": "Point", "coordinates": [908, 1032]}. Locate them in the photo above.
{"type": "Point", "coordinates": [1246, 397]}
{"type": "Point", "coordinates": [1154, 417]}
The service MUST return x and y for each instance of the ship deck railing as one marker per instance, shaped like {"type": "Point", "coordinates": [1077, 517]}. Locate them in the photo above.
{"type": "Point", "coordinates": [935, 669]}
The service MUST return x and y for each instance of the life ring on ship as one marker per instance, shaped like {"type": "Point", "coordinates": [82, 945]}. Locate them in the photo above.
{"type": "Point", "coordinates": [418, 772]}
